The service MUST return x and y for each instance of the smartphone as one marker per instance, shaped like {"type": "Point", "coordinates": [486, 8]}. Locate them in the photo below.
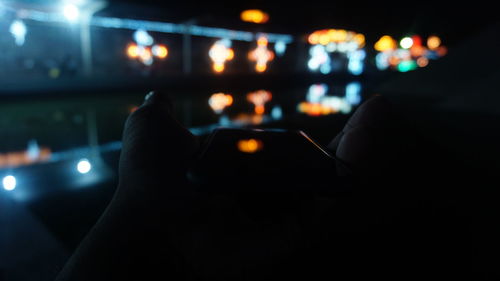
{"type": "Point", "coordinates": [264, 160]}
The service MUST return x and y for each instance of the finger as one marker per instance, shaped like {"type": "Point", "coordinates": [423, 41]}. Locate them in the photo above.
{"type": "Point", "coordinates": [155, 145]}
{"type": "Point", "coordinates": [369, 143]}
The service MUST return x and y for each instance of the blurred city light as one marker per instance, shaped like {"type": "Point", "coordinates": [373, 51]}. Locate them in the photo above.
{"type": "Point", "coordinates": [83, 166]}
{"type": "Point", "coordinates": [407, 65]}
{"type": "Point", "coordinates": [280, 48]}
{"type": "Point", "coordinates": [410, 56]}
{"type": "Point", "coordinates": [133, 51]}
{"type": "Point", "coordinates": [353, 93]}
{"type": "Point", "coordinates": [277, 113]}
{"type": "Point", "coordinates": [406, 43]}
{"type": "Point", "coordinates": [433, 42]}
{"type": "Point", "coordinates": [142, 38]}
{"type": "Point", "coordinates": [261, 55]}
{"type": "Point", "coordinates": [250, 146]}
{"type": "Point", "coordinates": [254, 16]}
{"type": "Point", "coordinates": [347, 43]}
{"type": "Point", "coordinates": [71, 12]}
{"type": "Point", "coordinates": [259, 99]}
{"type": "Point", "coordinates": [18, 30]}
{"type": "Point", "coordinates": [316, 92]}
{"type": "Point", "coordinates": [9, 183]}
{"type": "Point", "coordinates": [219, 53]}
{"type": "Point", "coordinates": [356, 62]}
{"type": "Point", "coordinates": [385, 43]}
{"type": "Point", "coordinates": [219, 101]}
{"type": "Point", "coordinates": [320, 60]}
{"type": "Point", "coordinates": [160, 51]}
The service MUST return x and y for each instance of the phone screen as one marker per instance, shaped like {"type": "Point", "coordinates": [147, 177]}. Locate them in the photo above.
{"type": "Point", "coordinates": [263, 160]}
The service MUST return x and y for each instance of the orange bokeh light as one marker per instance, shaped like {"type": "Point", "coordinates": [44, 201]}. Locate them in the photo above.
{"type": "Point", "coordinates": [250, 146]}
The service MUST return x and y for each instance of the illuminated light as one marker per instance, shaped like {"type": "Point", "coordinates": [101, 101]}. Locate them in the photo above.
{"type": "Point", "coordinates": [406, 66]}
{"type": "Point", "coordinates": [385, 43]}
{"type": "Point", "coordinates": [83, 166]}
{"type": "Point", "coordinates": [146, 56]}
{"type": "Point", "coordinates": [324, 39]}
{"type": "Point", "coordinates": [261, 55]}
{"type": "Point", "coordinates": [422, 61]}
{"type": "Point", "coordinates": [360, 39]}
{"type": "Point", "coordinates": [71, 12]}
{"type": "Point", "coordinates": [133, 51]}
{"type": "Point", "coordinates": [259, 99]}
{"type": "Point", "coordinates": [260, 67]}
{"type": "Point", "coordinates": [320, 60]}
{"type": "Point", "coordinates": [331, 47]}
{"type": "Point", "coordinates": [230, 54]}
{"type": "Point", "coordinates": [406, 43]}
{"type": "Point", "coordinates": [219, 101]}
{"type": "Point", "coordinates": [433, 42]}
{"type": "Point", "coordinates": [160, 51]}
{"type": "Point", "coordinates": [262, 41]}
{"type": "Point", "coordinates": [9, 183]}
{"type": "Point", "coordinates": [219, 53]}
{"type": "Point", "coordinates": [18, 30]}
{"type": "Point", "coordinates": [353, 93]}
{"type": "Point", "coordinates": [254, 16]}
{"type": "Point", "coordinates": [442, 51]}
{"type": "Point", "coordinates": [394, 60]}
{"type": "Point", "coordinates": [218, 67]}
{"type": "Point", "coordinates": [316, 92]}
{"type": "Point", "coordinates": [143, 38]}
{"type": "Point", "coordinates": [277, 113]}
{"type": "Point", "coordinates": [250, 146]}
{"type": "Point", "coordinates": [417, 51]}
{"type": "Point", "coordinates": [382, 60]}
{"type": "Point", "coordinates": [280, 48]}
{"type": "Point", "coordinates": [417, 40]}
{"type": "Point", "coordinates": [356, 62]}
{"type": "Point", "coordinates": [338, 35]}
{"type": "Point", "coordinates": [260, 109]}
{"type": "Point", "coordinates": [313, 39]}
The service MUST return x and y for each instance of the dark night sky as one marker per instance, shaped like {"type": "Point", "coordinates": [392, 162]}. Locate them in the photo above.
{"type": "Point", "coordinates": [453, 22]}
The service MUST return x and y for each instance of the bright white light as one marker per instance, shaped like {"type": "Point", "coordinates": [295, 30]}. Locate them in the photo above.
{"type": "Point", "coordinates": [84, 166]}
{"type": "Point", "coordinates": [143, 38]}
{"type": "Point", "coordinates": [9, 183]}
{"type": "Point", "coordinates": [71, 12]}
{"type": "Point", "coordinates": [18, 30]}
{"type": "Point", "coordinates": [406, 43]}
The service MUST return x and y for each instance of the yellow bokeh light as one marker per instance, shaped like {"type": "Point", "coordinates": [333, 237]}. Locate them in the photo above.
{"type": "Point", "coordinates": [254, 16]}
{"type": "Point", "coordinates": [250, 146]}
{"type": "Point", "coordinates": [260, 67]}
{"type": "Point", "coordinates": [386, 43]}
{"type": "Point", "coordinates": [133, 51]}
{"type": "Point", "coordinates": [433, 42]}
{"type": "Point", "coordinates": [160, 51]}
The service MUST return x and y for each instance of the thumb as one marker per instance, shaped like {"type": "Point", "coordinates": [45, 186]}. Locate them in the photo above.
{"type": "Point", "coordinates": [155, 146]}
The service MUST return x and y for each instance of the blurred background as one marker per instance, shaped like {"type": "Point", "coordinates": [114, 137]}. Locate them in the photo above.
{"type": "Point", "coordinates": [71, 71]}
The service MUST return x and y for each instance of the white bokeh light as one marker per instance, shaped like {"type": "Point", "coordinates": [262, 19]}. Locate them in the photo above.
{"type": "Point", "coordinates": [84, 166]}
{"type": "Point", "coordinates": [9, 183]}
{"type": "Point", "coordinates": [71, 12]}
